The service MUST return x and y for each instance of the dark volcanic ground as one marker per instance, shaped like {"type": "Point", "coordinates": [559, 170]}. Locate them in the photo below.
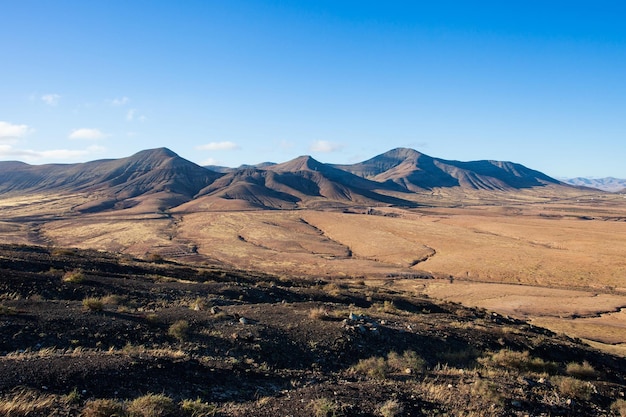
{"type": "Point", "coordinates": [80, 326]}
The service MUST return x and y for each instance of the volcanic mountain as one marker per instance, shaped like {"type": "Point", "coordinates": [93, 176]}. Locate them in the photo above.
{"type": "Point", "coordinates": [414, 171]}
{"type": "Point", "coordinates": [158, 179]}
{"type": "Point", "coordinates": [160, 173]}
{"type": "Point", "coordinates": [300, 181]}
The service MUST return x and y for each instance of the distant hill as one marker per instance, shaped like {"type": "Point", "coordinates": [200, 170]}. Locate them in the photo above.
{"type": "Point", "coordinates": [415, 171]}
{"type": "Point", "coordinates": [158, 179]}
{"type": "Point", "coordinates": [605, 184]}
{"type": "Point", "coordinates": [122, 182]}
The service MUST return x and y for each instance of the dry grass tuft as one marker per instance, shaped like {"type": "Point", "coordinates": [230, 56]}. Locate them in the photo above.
{"type": "Point", "coordinates": [391, 408]}
{"type": "Point", "coordinates": [151, 405]}
{"type": "Point", "coordinates": [581, 370]}
{"type": "Point", "coordinates": [197, 408]}
{"type": "Point", "coordinates": [318, 313]}
{"type": "Point", "coordinates": [74, 277]}
{"type": "Point", "coordinates": [324, 407]}
{"type": "Point", "coordinates": [619, 408]}
{"type": "Point", "coordinates": [26, 402]}
{"type": "Point", "coordinates": [179, 330]}
{"type": "Point", "coordinates": [519, 361]}
{"type": "Point", "coordinates": [575, 388]}
{"type": "Point", "coordinates": [103, 408]}
{"type": "Point", "coordinates": [93, 303]}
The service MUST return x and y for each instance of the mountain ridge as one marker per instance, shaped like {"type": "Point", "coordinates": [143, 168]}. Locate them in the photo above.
{"type": "Point", "coordinates": [160, 180]}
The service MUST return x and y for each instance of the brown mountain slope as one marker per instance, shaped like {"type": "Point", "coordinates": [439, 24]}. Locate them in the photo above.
{"type": "Point", "coordinates": [302, 181]}
{"type": "Point", "coordinates": [415, 171]}
{"type": "Point", "coordinates": [158, 172]}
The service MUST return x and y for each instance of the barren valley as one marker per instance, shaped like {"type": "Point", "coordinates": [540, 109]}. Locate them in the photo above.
{"type": "Point", "coordinates": [545, 256]}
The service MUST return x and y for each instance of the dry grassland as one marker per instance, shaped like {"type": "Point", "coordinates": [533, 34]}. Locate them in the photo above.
{"type": "Point", "coordinates": [546, 250]}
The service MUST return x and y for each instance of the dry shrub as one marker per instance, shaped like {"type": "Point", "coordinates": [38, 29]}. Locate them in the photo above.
{"type": "Point", "coordinates": [375, 367]}
{"type": "Point", "coordinates": [323, 407]}
{"type": "Point", "coordinates": [197, 408]}
{"type": "Point", "coordinates": [575, 388]}
{"type": "Point", "coordinates": [26, 402]}
{"type": "Point", "coordinates": [151, 405]}
{"type": "Point", "coordinates": [581, 370]}
{"type": "Point", "coordinates": [391, 408]}
{"type": "Point", "coordinates": [619, 408]}
{"type": "Point", "coordinates": [318, 313]}
{"type": "Point", "coordinates": [103, 408]}
{"type": "Point", "coordinates": [408, 362]}
{"type": "Point", "coordinates": [75, 277]}
{"type": "Point", "coordinates": [520, 361]}
{"type": "Point", "coordinates": [179, 329]}
{"type": "Point", "coordinates": [93, 303]}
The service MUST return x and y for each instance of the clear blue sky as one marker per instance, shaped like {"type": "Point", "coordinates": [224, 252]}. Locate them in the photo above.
{"type": "Point", "coordinates": [542, 83]}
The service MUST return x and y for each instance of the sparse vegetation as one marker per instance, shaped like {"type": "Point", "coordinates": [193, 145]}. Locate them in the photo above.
{"type": "Point", "coordinates": [198, 408]}
{"type": "Point", "coordinates": [74, 277]}
{"type": "Point", "coordinates": [93, 303]}
{"type": "Point", "coordinates": [380, 368]}
{"type": "Point", "coordinates": [179, 330]}
{"type": "Point", "coordinates": [103, 407]}
{"type": "Point", "coordinates": [25, 402]}
{"type": "Point", "coordinates": [582, 370]}
{"type": "Point", "coordinates": [318, 313]}
{"type": "Point", "coordinates": [391, 408]}
{"type": "Point", "coordinates": [324, 407]}
{"type": "Point", "coordinates": [151, 405]}
{"type": "Point", "coordinates": [518, 361]}
{"type": "Point", "coordinates": [574, 388]}
{"type": "Point", "coordinates": [619, 407]}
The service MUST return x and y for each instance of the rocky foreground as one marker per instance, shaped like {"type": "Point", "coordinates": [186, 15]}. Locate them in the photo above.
{"type": "Point", "coordinates": [96, 334]}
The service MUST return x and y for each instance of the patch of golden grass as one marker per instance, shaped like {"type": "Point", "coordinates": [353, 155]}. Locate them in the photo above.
{"type": "Point", "coordinates": [25, 402]}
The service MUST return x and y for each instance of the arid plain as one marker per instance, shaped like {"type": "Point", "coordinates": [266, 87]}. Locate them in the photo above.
{"type": "Point", "coordinates": [557, 262]}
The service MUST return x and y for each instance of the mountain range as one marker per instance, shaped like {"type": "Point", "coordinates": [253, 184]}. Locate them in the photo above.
{"type": "Point", "coordinates": [605, 184]}
{"type": "Point", "coordinates": [160, 179]}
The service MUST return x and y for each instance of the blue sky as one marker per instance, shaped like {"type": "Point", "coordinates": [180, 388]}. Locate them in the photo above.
{"type": "Point", "coordinates": [542, 83]}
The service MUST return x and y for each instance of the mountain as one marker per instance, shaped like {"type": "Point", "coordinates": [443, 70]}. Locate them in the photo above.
{"type": "Point", "coordinates": [158, 179]}
{"type": "Point", "coordinates": [414, 171]}
{"type": "Point", "coordinates": [160, 173]}
{"type": "Point", "coordinates": [302, 180]}
{"type": "Point", "coordinates": [605, 184]}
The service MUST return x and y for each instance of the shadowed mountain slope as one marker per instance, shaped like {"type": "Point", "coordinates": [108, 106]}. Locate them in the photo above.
{"type": "Point", "coordinates": [155, 171]}
{"type": "Point", "coordinates": [415, 171]}
{"type": "Point", "coordinates": [300, 181]}
{"type": "Point", "coordinates": [158, 179]}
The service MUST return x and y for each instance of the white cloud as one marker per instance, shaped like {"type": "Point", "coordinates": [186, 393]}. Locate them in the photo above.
{"type": "Point", "coordinates": [51, 99]}
{"type": "Point", "coordinates": [11, 131]}
{"type": "Point", "coordinates": [89, 134]}
{"type": "Point", "coordinates": [130, 114]}
{"type": "Point", "coordinates": [7, 151]}
{"type": "Point", "coordinates": [119, 101]}
{"type": "Point", "coordinates": [218, 146]}
{"type": "Point", "coordinates": [324, 146]}
{"type": "Point", "coordinates": [210, 161]}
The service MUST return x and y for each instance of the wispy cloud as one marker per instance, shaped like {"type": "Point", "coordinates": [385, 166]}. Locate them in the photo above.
{"type": "Point", "coordinates": [117, 102]}
{"type": "Point", "coordinates": [7, 151]}
{"type": "Point", "coordinates": [210, 161]}
{"type": "Point", "coordinates": [51, 99]}
{"type": "Point", "coordinates": [10, 131]}
{"type": "Point", "coordinates": [130, 114]}
{"type": "Point", "coordinates": [324, 146]}
{"type": "Point", "coordinates": [89, 134]}
{"type": "Point", "coordinates": [218, 146]}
